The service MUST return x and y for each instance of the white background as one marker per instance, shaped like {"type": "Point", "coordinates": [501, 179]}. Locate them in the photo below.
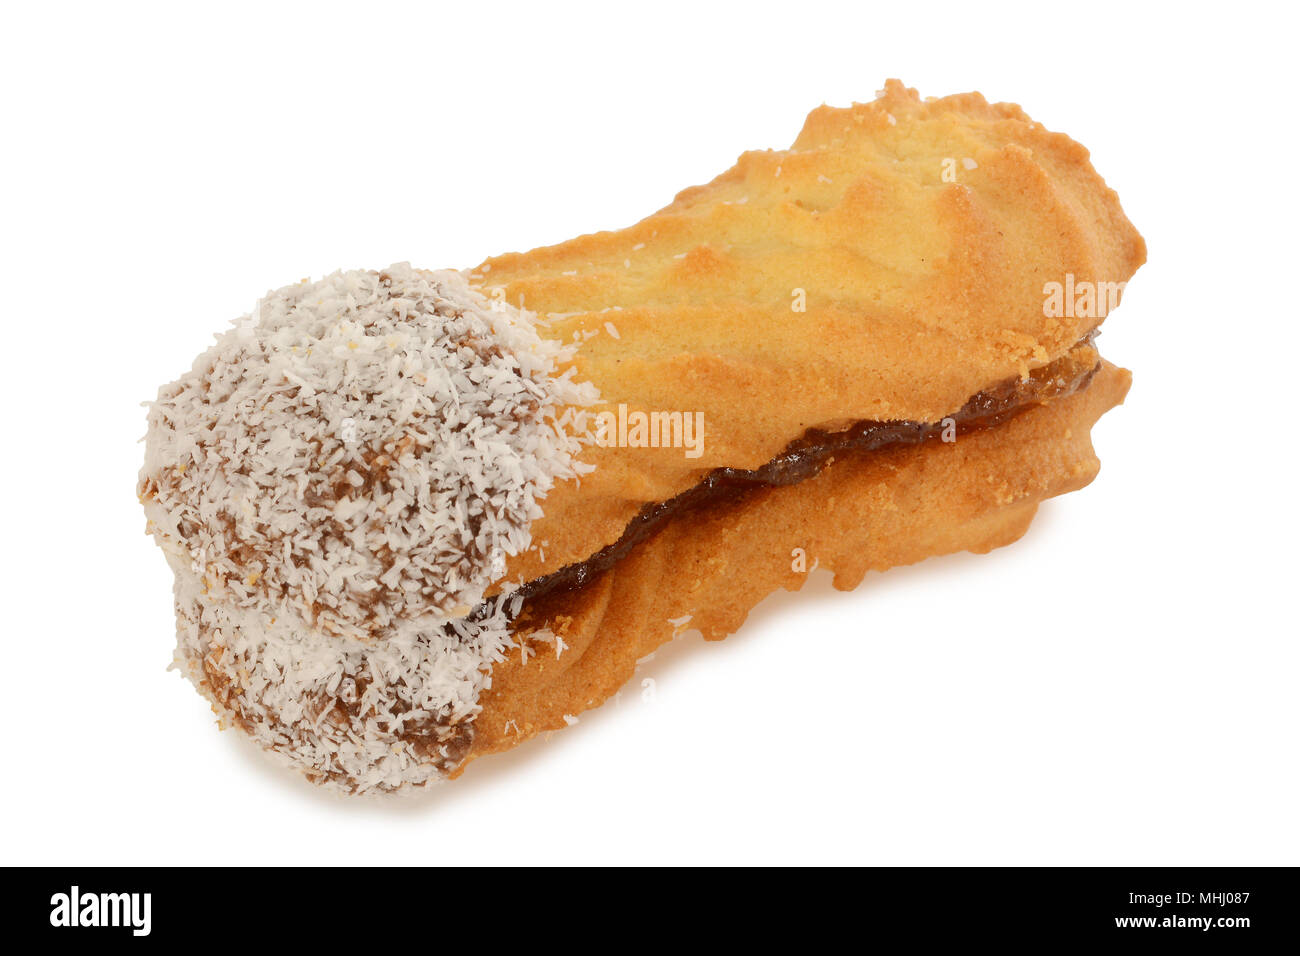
{"type": "Point", "coordinates": [1119, 687]}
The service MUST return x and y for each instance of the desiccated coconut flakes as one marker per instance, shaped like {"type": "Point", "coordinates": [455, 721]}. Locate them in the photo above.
{"type": "Point", "coordinates": [336, 483]}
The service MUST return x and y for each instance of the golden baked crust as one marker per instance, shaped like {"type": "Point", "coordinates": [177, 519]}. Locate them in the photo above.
{"type": "Point", "coordinates": [865, 511]}
{"type": "Point", "coordinates": [918, 292]}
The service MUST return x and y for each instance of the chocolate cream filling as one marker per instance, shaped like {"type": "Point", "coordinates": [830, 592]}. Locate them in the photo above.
{"type": "Point", "coordinates": [806, 456]}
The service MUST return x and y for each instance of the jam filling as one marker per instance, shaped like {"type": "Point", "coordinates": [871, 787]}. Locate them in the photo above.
{"type": "Point", "coordinates": [808, 455]}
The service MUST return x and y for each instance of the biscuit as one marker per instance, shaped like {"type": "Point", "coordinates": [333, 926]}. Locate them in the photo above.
{"type": "Point", "coordinates": [418, 517]}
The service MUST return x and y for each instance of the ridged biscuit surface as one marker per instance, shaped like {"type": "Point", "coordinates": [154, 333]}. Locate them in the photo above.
{"type": "Point", "coordinates": [888, 266]}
